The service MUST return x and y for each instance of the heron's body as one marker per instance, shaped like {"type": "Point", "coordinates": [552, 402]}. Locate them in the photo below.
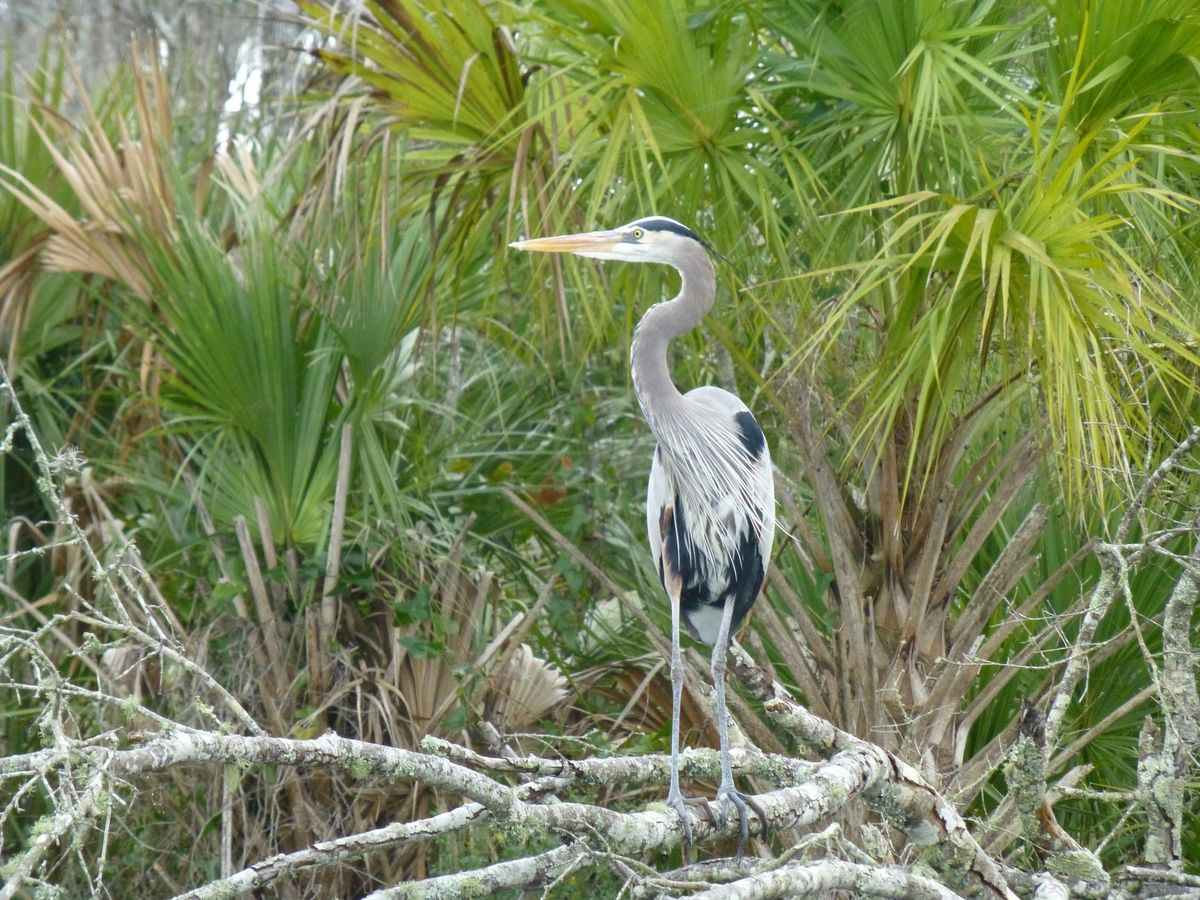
{"type": "Point", "coordinates": [710, 504]}
{"type": "Point", "coordinates": [717, 546]}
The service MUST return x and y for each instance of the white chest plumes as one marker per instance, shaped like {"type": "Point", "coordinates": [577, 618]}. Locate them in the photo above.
{"type": "Point", "coordinates": [710, 510]}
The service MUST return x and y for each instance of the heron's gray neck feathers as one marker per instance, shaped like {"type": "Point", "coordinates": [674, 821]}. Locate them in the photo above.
{"type": "Point", "coordinates": [659, 398]}
{"type": "Point", "coordinates": [704, 453]}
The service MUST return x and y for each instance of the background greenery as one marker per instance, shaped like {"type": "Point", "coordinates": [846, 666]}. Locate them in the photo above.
{"type": "Point", "coordinates": [960, 296]}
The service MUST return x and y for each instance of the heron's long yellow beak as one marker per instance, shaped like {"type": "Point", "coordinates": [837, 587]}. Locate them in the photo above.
{"type": "Point", "coordinates": [587, 242]}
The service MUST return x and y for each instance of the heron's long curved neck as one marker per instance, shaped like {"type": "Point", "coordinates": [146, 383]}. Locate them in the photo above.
{"type": "Point", "coordinates": [659, 398]}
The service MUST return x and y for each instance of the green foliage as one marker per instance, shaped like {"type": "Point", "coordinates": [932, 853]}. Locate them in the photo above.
{"type": "Point", "coordinates": [449, 72]}
{"type": "Point", "coordinates": [963, 275]}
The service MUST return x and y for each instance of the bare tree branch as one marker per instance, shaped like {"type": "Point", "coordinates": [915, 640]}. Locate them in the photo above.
{"type": "Point", "coordinates": [1113, 567]}
{"type": "Point", "coordinates": [823, 879]}
{"type": "Point", "coordinates": [1163, 775]}
{"type": "Point", "coordinates": [896, 789]}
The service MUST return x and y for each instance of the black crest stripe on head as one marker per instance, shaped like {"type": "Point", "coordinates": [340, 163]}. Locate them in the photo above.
{"type": "Point", "coordinates": [658, 223]}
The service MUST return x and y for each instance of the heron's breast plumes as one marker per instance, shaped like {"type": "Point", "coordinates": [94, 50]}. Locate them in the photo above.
{"type": "Point", "coordinates": [725, 488]}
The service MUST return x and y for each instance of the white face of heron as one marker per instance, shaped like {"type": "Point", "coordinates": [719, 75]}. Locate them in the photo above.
{"type": "Point", "coordinates": [652, 239]}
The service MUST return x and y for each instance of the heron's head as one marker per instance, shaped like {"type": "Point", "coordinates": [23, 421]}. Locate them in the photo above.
{"type": "Point", "coordinates": [652, 239]}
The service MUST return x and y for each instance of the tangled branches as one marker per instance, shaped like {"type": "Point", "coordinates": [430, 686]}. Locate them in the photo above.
{"type": "Point", "coordinates": [850, 815]}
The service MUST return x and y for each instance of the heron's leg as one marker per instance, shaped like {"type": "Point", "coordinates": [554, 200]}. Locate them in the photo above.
{"type": "Point", "coordinates": [675, 798]}
{"type": "Point", "coordinates": [674, 795]}
{"type": "Point", "coordinates": [726, 791]}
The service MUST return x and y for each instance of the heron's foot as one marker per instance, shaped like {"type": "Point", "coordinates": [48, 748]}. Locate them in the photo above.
{"type": "Point", "coordinates": [680, 804]}
{"type": "Point", "coordinates": [728, 795]}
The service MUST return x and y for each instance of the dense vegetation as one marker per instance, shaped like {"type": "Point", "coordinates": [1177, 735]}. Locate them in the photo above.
{"type": "Point", "coordinates": [355, 440]}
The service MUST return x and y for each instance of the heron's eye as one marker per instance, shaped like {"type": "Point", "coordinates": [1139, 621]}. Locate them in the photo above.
{"type": "Point", "coordinates": [638, 234]}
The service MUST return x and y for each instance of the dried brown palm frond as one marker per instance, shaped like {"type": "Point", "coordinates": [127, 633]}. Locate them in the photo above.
{"type": "Point", "coordinates": [425, 678]}
{"type": "Point", "coordinates": [236, 165]}
{"type": "Point", "coordinates": [127, 203]}
{"type": "Point", "coordinates": [434, 672]}
{"type": "Point", "coordinates": [17, 279]}
{"type": "Point", "coordinates": [523, 690]}
{"type": "Point", "coordinates": [458, 658]}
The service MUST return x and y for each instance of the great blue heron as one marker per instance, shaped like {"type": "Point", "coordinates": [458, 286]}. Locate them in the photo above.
{"type": "Point", "coordinates": [710, 506]}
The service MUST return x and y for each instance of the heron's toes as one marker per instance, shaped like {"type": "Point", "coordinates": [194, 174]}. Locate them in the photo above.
{"type": "Point", "coordinates": [677, 803]}
{"type": "Point", "coordinates": [705, 807]}
{"type": "Point", "coordinates": [680, 804]}
{"type": "Point", "coordinates": [728, 795]}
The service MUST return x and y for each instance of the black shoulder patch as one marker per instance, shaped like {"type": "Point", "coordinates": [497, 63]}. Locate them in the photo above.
{"type": "Point", "coordinates": [751, 435]}
{"type": "Point", "coordinates": [660, 223]}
